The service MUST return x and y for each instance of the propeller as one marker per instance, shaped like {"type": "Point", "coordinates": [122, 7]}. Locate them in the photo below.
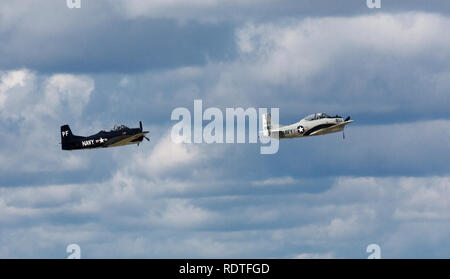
{"type": "Point", "coordinates": [343, 133]}
{"type": "Point", "coordinates": [140, 126]}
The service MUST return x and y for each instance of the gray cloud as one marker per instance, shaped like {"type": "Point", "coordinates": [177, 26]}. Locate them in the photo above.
{"type": "Point", "coordinates": [49, 37]}
{"type": "Point", "coordinates": [378, 69]}
{"type": "Point", "coordinates": [339, 222]}
{"type": "Point", "coordinates": [318, 197]}
{"type": "Point", "coordinates": [33, 108]}
{"type": "Point", "coordinates": [221, 10]}
{"type": "Point", "coordinates": [102, 35]}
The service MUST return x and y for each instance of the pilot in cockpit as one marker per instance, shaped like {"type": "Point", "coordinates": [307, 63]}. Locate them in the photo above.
{"type": "Point", "coordinates": [119, 127]}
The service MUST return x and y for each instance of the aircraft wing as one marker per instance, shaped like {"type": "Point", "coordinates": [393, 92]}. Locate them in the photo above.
{"type": "Point", "coordinates": [124, 141]}
{"type": "Point", "coordinates": [331, 129]}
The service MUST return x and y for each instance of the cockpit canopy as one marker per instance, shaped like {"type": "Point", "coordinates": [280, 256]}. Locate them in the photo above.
{"type": "Point", "coordinates": [316, 116]}
{"type": "Point", "coordinates": [119, 127]}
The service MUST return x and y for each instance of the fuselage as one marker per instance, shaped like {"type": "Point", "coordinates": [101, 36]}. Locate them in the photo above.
{"type": "Point", "coordinates": [120, 136]}
{"type": "Point", "coordinates": [312, 125]}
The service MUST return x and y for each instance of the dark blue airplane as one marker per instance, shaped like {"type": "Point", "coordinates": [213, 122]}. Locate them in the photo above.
{"type": "Point", "coordinates": [120, 135]}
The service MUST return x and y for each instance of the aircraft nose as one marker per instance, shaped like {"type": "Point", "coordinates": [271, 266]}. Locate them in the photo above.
{"type": "Point", "coordinates": [347, 119]}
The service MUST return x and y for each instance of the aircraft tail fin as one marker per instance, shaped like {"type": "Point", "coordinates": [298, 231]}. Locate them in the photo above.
{"type": "Point", "coordinates": [267, 124]}
{"type": "Point", "coordinates": [66, 136]}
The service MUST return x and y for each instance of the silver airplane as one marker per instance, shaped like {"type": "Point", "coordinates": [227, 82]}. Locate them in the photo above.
{"type": "Point", "coordinates": [312, 125]}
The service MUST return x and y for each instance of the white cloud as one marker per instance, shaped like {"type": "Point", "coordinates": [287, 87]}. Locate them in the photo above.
{"type": "Point", "coordinates": [37, 106]}
{"type": "Point", "coordinates": [15, 86]}
{"type": "Point", "coordinates": [378, 64]}
{"type": "Point", "coordinates": [275, 181]}
{"type": "Point", "coordinates": [382, 63]}
{"type": "Point", "coordinates": [124, 82]}
{"type": "Point", "coordinates": [304, 256]}
{"type": "Point", "coordinates": [297, 50]}
{"type": "Point", "coordinates": [357, 210]}
{"type": "Point", "coordinates": [202, 10]}
{"type": "Point", "coordinates": [167, 155]}
{"type": "Point", "coordinates": [23, 97]}
{"type": "Point", "coordinates": [424, 199]}
{"type": "Point", "coordinates": [181, 213]}
{"type": "Point", "coordinates": [174, 199]}
{"type": "Point", "coordinates": [68, 91]}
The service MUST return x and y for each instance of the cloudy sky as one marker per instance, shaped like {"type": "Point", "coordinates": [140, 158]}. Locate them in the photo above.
{"type": "Point", "coordinates": [121, 61]}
